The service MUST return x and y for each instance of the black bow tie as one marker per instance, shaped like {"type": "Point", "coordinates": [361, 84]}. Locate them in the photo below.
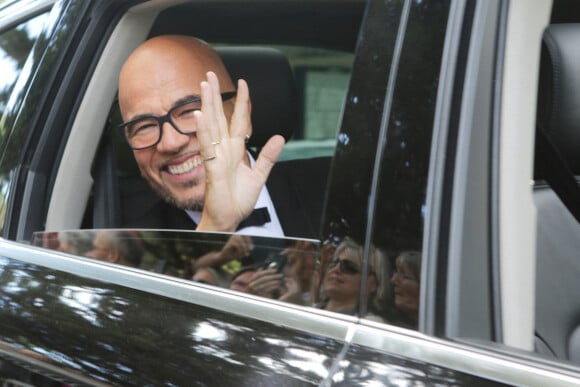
{"type": "Point", "coordinates": [258, 217]}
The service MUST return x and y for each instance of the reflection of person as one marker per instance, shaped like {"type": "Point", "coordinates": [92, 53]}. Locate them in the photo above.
{"type": "Point", "coordinates": [241, 280]}
{"type": "Point", "coordinates": [287, 276]}
{"type": "Point", "coordinates": [327, 250]}
{"type": "Point", "coordinates": [192, 153]}
{"type": "Point", "coordinates": [300, 271]}
{"type": "Point", "coordinates": [120, 247]}
{"type": "Point", "coordinates": [75, 242]}
{"type": "Point", "coordinates": [269, 282]}
{"type": "Point", "coordinates": [237, 247]}
{"type": "Point", "coordinates": [342, 279]}
{"type": "Point", "coordinates": [206, 275]}
{"type": "Point", "coordinates": [405, 281]}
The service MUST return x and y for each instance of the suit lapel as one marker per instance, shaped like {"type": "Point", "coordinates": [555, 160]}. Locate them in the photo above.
{"type": "Point", "coordinates": [288, 206]}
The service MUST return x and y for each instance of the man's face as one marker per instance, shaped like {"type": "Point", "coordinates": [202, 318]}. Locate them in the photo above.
{"type": "Point", "coordinates": [173, 167]}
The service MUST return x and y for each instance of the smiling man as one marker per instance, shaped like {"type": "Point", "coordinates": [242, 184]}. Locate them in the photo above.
{"type": "Point", "coordinates": [187, 125]}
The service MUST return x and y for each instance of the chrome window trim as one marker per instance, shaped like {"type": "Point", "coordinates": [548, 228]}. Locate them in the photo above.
{"type": "Point", "coordinates": [468, 358]}
{"type": "Point", "coordinates": [17, 12]}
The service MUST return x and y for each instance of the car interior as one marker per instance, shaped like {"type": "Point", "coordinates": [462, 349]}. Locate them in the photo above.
{"type": "Point", "coordinates": [556, 191]}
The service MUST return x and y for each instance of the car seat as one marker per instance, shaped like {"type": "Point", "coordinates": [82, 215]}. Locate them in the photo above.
{"type": "Point", "coordinates": [558, 231]}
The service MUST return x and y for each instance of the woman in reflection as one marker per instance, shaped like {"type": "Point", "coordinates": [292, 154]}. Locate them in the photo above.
{"type": "Point", "coordinates": [343, 276]}
{"type": "Point", "coordinates": [405, 281]}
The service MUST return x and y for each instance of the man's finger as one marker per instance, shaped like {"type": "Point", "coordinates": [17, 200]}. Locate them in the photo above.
{"type": "Point", "coordinates": [241, 124]}
{"type": "Point", "coordinates": [221, 129]}
{"type": "Point", "coordinates": [269, 155]}
{"type": "Point", "coordinates": [207, 108]}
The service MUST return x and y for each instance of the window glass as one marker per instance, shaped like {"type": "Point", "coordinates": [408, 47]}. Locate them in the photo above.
{"type": "Point", "coordinates": [347, 208]}
{"type": "Point", "coordinates": [394, 257]}
{"type": "Point", "coordinates": [15, 46]}
{"type": "Point", "coordinates": [400, 200]}
{"type": "Point", "coordinates": [281, 269]}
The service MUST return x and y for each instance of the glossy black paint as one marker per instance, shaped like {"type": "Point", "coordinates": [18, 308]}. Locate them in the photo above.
{"type": "Point", "coordinates": [74, 329]}
{"type": "Point", "coordinates": [123, 336]}
{"type": "Point", "coordinates": [364, 367]}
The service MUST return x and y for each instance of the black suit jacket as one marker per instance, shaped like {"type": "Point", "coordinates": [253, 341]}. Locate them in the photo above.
{"type": "Point", "coordinates": [296, 187]}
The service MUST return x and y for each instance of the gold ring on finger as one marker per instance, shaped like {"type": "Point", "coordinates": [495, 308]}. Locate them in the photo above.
{"type": "Point", "coordinates": [216, 142]}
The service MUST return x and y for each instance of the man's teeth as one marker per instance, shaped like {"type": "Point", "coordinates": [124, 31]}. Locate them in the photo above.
{"type": "Point", "coordinates": [184, 167]}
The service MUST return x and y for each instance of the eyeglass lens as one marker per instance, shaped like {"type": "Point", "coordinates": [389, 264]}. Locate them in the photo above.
{"type": "Point", "coordinates": [346, 266]}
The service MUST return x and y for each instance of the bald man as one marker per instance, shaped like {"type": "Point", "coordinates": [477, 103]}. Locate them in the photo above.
{"type": "Point", "coordinates": [187, 125]}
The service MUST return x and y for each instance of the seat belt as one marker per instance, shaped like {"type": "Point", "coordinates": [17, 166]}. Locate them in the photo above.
{"type": "Point", "coordinates": [554, 169]}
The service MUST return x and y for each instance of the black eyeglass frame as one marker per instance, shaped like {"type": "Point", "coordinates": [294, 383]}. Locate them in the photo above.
{"type": "Point", "coordinates": [167, 118]}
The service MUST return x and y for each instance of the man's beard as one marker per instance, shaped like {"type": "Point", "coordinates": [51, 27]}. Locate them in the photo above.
{"type": "Point", "coordinates": [165, 193]}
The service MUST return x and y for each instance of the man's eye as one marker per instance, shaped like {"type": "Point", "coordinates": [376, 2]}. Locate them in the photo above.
{"type": "Point", "coordinates": [187, 112]}
{"type": "Point", "coordinates": [142, 128]}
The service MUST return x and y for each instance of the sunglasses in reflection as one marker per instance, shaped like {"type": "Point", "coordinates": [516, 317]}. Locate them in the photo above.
{"type": "Point", "coordinates": [346, 266]}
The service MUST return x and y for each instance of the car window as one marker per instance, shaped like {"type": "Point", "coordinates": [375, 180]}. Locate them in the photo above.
{"type": "Point", "coordinates": [401, 143]}
{"type": "Point", "coordinates": [16, 44]}
{"type": "Point", "coordinates": [404, 167]}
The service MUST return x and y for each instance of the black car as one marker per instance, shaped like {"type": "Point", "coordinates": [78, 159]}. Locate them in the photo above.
{"type": "Point", "coordinates": [442, 135]}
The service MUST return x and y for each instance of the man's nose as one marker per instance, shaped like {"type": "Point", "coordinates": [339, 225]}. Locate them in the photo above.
{"type": "Point", "coordinates": [171, 140]}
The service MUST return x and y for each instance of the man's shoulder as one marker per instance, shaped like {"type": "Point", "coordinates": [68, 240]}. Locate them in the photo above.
{"type": "Point", "coordinates": [143, 208]}
{"type": "Point", "coordinates": [297, 189]}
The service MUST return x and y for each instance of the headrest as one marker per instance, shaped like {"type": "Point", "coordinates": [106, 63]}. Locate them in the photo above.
{"type": "Point", "coordinates": [559, 91]}
{"type": "Point", "coordinates": [272, 92]}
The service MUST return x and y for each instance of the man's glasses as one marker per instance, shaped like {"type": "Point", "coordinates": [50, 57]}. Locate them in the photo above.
{"type": "Point", "coordinates": [346, 266]}
{"type": "Point", "coordinates": [145, 131]}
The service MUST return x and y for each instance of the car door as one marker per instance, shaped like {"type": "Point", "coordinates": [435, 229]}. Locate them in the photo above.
{"type": "Point", "coordinates": [446, 186]}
